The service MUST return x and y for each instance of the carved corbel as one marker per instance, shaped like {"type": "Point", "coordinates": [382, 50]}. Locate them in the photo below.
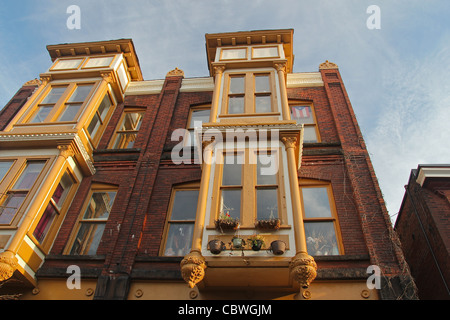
{"type": "Point", "coordinates": [218, 69]}
{"type": "Point", "coordinates": [303, 269]}
{"type": "Point", "coordinates": [280, 66]}
{"type": "Point", "coordinates": [193, 268]}
{"type": "Point", "coordinates": [8, 264]}
{"type": "Point", "coordinates": [45, 79]}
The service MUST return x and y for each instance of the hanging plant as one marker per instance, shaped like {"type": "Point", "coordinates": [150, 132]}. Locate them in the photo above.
{"type": "Point", "coordinates": [268, 224]}
{"type": "Point", "coordinates": [226, 222]}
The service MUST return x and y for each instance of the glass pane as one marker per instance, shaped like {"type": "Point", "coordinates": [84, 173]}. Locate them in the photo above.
{"type": "Point", "coordinates": [41, 114]}
{"type": "Point", "coordinates": [132, 121]}
{"type": "Point", "coordinates": [104, 107]}
{"type": "Point", "coordinates": [62, 190]}
{"type": "Point", "coordinates": [81, 93]}
{"type": "Point", "coordinates": [98, 62]}
{"type": "Point", "coordinates": [302, 114]}
{"type": "Point", "coordinates": [237, 85]}
{"type": "Point", "coordinates": [309, 134]}
{"type": "Point", "coordinates": [235, 105]}
{"type": "Point", "coordinates": [70, 112]}
{"type": "Point", "coordinates": [316, 203]}
{"type": "Point", "coordinates": [29, 175]}
{"type": "Point", "coordinates": [67, 64]}
{"type": "Point", "coordinates": [184, 205]}
{"type": "Point", "coordinates": [321, 238]}
{"type": "Point", "coordinates": [9, 208]}
{"type": "Point", "coordinates": [266, 169]}
{"type": "Point", "coordinates": [232, 170]}
{"type": "Point", "coordinates": [4, 167]}
{"type": "Point", "coordinates": [199, 115]}
{"type": "Point", "coordinates": [179, 239]}
{"type": "Point", "coordinates": [88, 239]}
{"type": "Point", "coordinates": [94, 125]}
{"type": "Point", "coordinates": [262, 83]}
{"type": "Point", "coordinates": [263, 104]}
{"type": "Point", "coordinates": [125, 141]}
{"type": "Point", "coordinates": [230, 202]}
{"type": "Point", "coordinates": [45, 223]}
{"type": "Point", "coordinates": [54, 95]}
{"type": "Point", "coordinates": [267, 203]}
{"type": "Point", "coordinates": [100, 205]}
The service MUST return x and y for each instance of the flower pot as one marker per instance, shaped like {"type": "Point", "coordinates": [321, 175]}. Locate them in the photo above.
{"type": "Point", "coordinates": [237, 243]}
{"type": "Point", "coordinates": [226, 224]}
{"type": "Point", "coordinates": [278, 247]}
{"type": "Point", "coordinates": [216, 246]}
{"type": "Point", "coordinates": [268, 224]}
{"type": "Point", "coordinates": [256, 245]}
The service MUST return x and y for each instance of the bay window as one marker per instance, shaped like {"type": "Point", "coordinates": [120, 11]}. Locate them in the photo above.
{"type": "Point", "coordinates": [304, 114]}
{"type": "Point", "coordinates": [249, 93]}
{"type": "Point", "coordinates": [128, 129]}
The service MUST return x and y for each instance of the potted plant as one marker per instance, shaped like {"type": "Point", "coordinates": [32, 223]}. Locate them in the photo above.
{"type": "Point", "coordinates": [226, 222]}
{"type": "Point", "coordinates": [216, 246]}
{"type": "Point", "coordinates": [237, 242]}
{"type": "Point", "coordinates": [256, 241]}
{"type": "Point", "coordinates": [268, 224]}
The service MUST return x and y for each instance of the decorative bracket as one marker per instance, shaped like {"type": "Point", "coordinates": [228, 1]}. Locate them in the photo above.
{"type": "Point", "coordinates": [303, 269]}
{"type": "Point", "coordinates": [8, 264]}
{"type": "Point", "coordinates": [193, 268]}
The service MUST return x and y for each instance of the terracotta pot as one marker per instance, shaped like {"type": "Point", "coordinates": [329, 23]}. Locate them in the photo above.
{"type": "Point", "coordinates": [216, 246]}
{"type": "Point", "coordinates": [278, 247]}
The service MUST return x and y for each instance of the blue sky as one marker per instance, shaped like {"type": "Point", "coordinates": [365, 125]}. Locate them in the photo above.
{"type": "Point", "coordinates": [396, 76]}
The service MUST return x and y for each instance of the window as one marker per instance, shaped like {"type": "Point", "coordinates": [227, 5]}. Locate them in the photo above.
{"type": "Point", "coordinates": [4, 168]}
{"type": "Point", "coordinates": [304, 114]}
{"type": "Point", "coordinates": [197, 116]}
{"type": "Point", "coordinates": [92, 223]}
{"type": "Point", "coordinates": [100, 118]}
{"type": "Point", "coordinates": [126, 134]}
{"type": "Point", "coordinates": [15, 196]}
{"type": "Point", "coordinates": [62, 103]}
{"type": "Point", "coordinates": [321, 225]}
{"type": "Point", "coordinates": [73, 105]}
{"type": "Point", "coordinates": [249, 93]}
{"type": "Point", "coordinates": [248, 187]}
{"type": "Point", "coordinates": [180, 225]}
{"type": "Point", "coordinates": [55, 208]}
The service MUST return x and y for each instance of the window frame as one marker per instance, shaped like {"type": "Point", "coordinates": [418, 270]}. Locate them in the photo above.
{"type": "Point", "coordinates": [13, 175]}
{"type": "Point", "coordinates": [293, 103]}
{"type": "Point", "coordinates": [60, 105]}
{"type": "Point", "coordinates": [103, 122]}
{"type": "Point", "coordinates": [311, 183]}
{"type": "Point", "coordinates": [249, 93]}
{"type": "Point", "coordinates": [190, 129]}
{"type": "Point", "coordinates": [117, 131]}
{"type": "Point", "coordinates": [193, 186]}
{"type": "Point", "coordinates": [61, 212]}
{"type": "Point", "coordinates": [248, 213]}
{"type": "Point", "coordinates": [95, 188]}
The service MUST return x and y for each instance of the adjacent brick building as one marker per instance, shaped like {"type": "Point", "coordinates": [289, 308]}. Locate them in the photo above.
{"type": "Point", "coordinates": [423, 226]}
{"type": "Point", "coordinates": [132, 182]}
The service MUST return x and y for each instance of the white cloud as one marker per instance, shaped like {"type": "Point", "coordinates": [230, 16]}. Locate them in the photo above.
{"type": "Point", "coordinates": [412, 126]}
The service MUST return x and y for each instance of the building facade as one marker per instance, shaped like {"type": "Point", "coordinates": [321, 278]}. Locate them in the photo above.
{"type": "Point", "coordinates": [423, 226]}
{"type": "Point", "coordinates": [116, 187]}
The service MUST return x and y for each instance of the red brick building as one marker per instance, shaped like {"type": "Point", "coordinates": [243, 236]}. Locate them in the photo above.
{"type": "Point", "coordinates": [144, 201]}
{"type": "Point", "coordinates": [423, 227]}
